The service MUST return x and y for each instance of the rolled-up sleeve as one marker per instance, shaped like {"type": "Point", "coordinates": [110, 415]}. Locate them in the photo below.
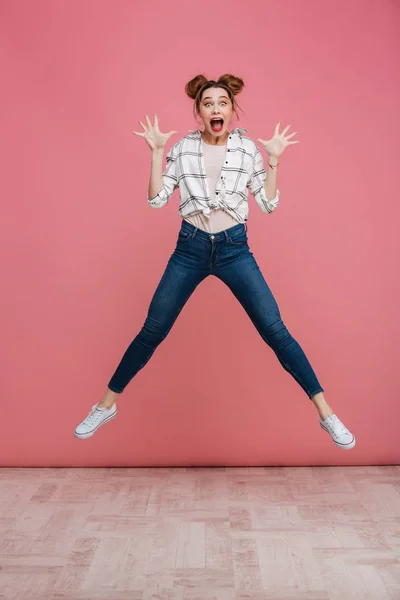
{"type": "Point", "coordinates": [256, 184]}
{"type": "Point", "coordinates": [170, 181]}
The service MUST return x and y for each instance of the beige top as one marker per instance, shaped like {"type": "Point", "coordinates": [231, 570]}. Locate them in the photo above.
{"type": "Point", "coordinates": [218, 220]}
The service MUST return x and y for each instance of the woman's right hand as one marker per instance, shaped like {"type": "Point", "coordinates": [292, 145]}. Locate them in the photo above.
{"type": "Point", "coordinates": [153, 136]}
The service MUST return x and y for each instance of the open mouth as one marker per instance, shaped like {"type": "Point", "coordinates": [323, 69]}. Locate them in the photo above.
{"type": "Point", "coordinates": [217, 124]}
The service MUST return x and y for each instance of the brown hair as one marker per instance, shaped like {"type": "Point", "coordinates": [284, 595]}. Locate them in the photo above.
{"type": "Point", "coordinates": [196, 86]}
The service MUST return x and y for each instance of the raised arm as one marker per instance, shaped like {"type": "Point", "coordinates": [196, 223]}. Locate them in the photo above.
{"type": "Point", "coordinates": [260, 186]}
{"type": "Point", "coordinates": [268, 197]}
{"type": "Point", "coordinates": [161, 185]}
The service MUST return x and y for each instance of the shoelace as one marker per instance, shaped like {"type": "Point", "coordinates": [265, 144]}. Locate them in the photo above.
{"type": "Point", "coordinates": [92, 417]}
{"type": "Point", "coordinates": [337, 426]}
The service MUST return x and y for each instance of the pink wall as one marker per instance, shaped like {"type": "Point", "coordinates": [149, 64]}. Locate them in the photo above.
{"type": "Point", "coordinates": [82, 252]}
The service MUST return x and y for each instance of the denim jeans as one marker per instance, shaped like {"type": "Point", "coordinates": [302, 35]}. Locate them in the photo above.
{"type": "Point", "coordinates": [226, 255]}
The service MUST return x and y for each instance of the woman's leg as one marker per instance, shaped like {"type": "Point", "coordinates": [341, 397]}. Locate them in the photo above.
{"type": "Point", "coordinates": [245, 280]}
{"type": "Point", "coordinates": [243, 276]}
{"type": "Point", "coordinates": [178, 282]}
{"type": "Point", "coordinates": [173, 291]}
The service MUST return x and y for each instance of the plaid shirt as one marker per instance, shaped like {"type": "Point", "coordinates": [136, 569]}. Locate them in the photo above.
{"type": "Point", "coordinates": [243, 169]}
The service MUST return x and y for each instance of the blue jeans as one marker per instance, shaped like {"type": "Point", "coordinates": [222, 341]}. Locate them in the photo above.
{"type": "Point", "coordinates": [226, 255]}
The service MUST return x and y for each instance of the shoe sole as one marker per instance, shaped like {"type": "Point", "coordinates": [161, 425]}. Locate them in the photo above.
{"type": "Point", "coordinates": [348, 446]}
{"type": "Point", "coordinates": [84, 436]}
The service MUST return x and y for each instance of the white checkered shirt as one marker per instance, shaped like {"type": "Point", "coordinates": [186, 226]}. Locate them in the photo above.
{"type": "Point", "coordinates": [243, 169]}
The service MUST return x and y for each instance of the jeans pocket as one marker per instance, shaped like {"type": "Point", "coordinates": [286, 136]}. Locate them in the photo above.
{"type": "Point", "coordinates": [238, 238]}
{"type": "Point", "coordinates": [183, 236]}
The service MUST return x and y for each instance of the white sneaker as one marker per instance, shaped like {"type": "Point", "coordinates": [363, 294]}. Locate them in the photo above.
{"type": "Point", "coordinates": [97, 417]}
{"type": "Point", "coordinates": [341, 436]}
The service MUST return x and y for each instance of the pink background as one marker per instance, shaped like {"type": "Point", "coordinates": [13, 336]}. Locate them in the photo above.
{"type": "Point", "coordinates": [82, 252]}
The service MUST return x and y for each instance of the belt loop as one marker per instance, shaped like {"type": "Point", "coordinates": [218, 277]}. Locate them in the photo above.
{"type": "Point", "coordinates": [226, 235]}
{"type": "Point", "coordinates": [194, 232]}
{"type": "Point", "coordinates": [245, 226]}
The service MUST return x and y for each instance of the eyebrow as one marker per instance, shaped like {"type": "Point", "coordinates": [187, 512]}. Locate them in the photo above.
{"type": "Point", "coordinates": [210, 98]}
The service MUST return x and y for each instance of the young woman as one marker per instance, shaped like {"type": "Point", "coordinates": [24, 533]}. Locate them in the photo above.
{"type": "Point", "coordinates": [214, 169]}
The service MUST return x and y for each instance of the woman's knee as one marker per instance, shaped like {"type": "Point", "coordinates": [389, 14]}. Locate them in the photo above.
{"type": "Point", "coordinates": [154, 331]}
{"type": "Point", "coordinates": [276, 333]}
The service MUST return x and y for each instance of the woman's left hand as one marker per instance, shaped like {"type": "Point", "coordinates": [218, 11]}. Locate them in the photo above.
{"type": "Point", "coordinates": [278, 143]}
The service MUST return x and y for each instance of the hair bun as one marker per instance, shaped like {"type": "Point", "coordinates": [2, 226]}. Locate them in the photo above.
{"type": "Point", "coordinates": [193, 86]}
{"type": "Point", "coordinates": [234, 83]}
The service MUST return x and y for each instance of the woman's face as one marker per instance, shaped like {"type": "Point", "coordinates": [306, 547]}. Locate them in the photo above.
{"type": "Point", "coordinates": [215, 107]}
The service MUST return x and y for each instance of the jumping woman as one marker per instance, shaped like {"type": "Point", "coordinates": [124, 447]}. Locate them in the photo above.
{"type": "Point", "coordinates": [214, 168]}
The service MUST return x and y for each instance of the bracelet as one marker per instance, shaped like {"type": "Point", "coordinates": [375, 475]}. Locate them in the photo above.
{"type": "Point", "coordinates": [273, 166]}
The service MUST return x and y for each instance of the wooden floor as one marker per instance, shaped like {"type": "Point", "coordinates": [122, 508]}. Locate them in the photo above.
{"type": "Point", "coordinates": [200, 533]}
